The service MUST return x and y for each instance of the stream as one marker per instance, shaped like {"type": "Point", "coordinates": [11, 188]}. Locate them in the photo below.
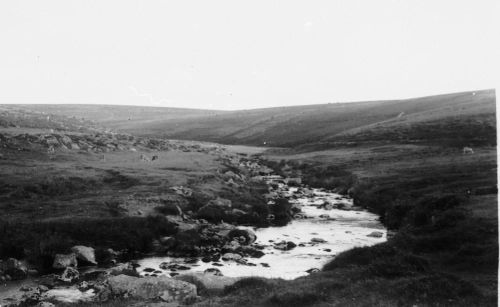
{"type": "Point", "coordinates": [327, 225]}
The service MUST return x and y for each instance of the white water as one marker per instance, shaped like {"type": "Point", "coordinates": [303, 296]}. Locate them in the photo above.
{"type": "Point", "coordinates": [343, 230]}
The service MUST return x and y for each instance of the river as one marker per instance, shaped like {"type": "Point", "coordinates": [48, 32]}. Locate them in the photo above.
{"type": "Point", "coordinates": [320, 231]}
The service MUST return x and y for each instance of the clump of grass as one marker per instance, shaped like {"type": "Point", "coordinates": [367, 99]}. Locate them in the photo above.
{"type": "Point", "coordinates": [255, 283]}
{"type": "Point", "coordinates": [296, 298]}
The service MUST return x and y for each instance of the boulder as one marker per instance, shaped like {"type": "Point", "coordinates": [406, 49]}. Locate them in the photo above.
{"type": "Point", "coordinates": [250, 251]}
{"type": "Point", "coordinates": [220, 202]}
{"type": "Point", "coordinates": [62, 261]}
{"type": "Point", "coordinates": [231, 256]}
{"type": "Point", "coordinates": [248, 234]}
{"type": "Point", "coordinates": [211, 283]}
{"type": "Point", "coordinates": [376, 234]}
{"type": "Point", "coordinates": [318, 240]}
{"type": "Point", "coordinates": [84, 254]}
{"type": "Point", "coordinates": [163, 287]}
{"type": "Point", "coordinates": [68, 295]}
{"type": "Point", "coordinates": [231, 246]}
{"type": "Point", "coordinates": [14, 268]}
{"type": "Point", "coordinates": [124, 269]}
{"type": "Point", "coordinates": [69, 275]}
{"type": "Point", "coordinates": [213, 271]}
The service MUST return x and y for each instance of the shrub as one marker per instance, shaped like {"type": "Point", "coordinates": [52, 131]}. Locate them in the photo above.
{"type": "Point", "coordinates": [39, 241]}
{"type": "Point", "coordinates": [282, 211]}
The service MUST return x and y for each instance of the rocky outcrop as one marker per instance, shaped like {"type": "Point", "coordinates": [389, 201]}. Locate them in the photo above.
{"type": "Point", "coordinates": [162, 287]}
{"type": "Point", "coordinates": [84, 254]}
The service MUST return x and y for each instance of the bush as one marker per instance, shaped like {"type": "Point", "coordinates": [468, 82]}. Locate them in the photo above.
{"type": "Point", "coordinates": [281, 210]}
{"type": "Point", "coordinates": [361, 256]}
{"type": "Point", "coordinates": [40, 241]}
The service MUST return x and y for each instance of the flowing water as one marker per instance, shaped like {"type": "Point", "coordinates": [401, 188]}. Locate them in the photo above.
{"type": "Point", "coordinates": [337, 230]}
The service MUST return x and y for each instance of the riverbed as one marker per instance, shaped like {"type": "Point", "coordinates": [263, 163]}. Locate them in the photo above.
{"type": "Point", "coordinates": [328, 224]}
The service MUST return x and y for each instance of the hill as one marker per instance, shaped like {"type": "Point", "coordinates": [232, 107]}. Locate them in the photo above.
{"type": "Point", "coordinates": [441, 118]}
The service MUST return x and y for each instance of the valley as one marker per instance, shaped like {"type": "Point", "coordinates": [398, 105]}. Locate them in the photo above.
{"type": "Point", "coordinates": [197, 185]}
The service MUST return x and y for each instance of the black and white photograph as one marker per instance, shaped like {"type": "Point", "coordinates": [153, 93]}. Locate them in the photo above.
{"type": "Point", "coordinates": [212, 153]}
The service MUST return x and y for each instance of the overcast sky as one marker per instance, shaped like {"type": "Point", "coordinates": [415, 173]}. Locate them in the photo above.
{"type": "Point", "coordinates": [244, 54]}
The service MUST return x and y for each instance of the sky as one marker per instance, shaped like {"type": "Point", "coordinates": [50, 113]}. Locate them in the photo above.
{"type": "Point", "coordinates": [244, 54]}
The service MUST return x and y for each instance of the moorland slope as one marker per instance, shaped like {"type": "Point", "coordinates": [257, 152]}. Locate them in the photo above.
{"type": "Point", "coordinates": [466, 118]}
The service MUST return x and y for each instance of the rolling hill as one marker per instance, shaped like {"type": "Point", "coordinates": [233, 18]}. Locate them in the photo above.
{"type": "Point", "coordinates": [441, 118]}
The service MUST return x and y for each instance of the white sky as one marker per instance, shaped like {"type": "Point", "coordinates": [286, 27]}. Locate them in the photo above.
{"type": "Point", "coordinates": [244, 54]}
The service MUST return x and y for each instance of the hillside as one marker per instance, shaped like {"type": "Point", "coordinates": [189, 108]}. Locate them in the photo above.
{"type": "Point", "coordinates": [470, 115]}
{"type": "Point", "coordinates": [117, 117]}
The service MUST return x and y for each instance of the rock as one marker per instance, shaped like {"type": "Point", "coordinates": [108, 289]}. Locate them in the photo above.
{"type": "Point", "coordinates": [375, 234]}
{"type": "Point", "coordinates": [314, 270]}
{"type": "Point", "coordinates": [172, 267]}
{"type": "Point", "coordinates": [220, 202]}
{"type": "Point", "coordinates": [250, 251]}
{"type": "Point", "coordinates": [211, 283]}
{"type": "Point", "coordinates": [45, 304]}
{"type": "Point", "coordinates": [248, 234]}
{"type": "Point", "coordinates": [213, 271]}
{"type": "Point", "coordinates": [69, 275]}
{"type": "Point", "coordinates": [84, 254]}
{"type": "Point", "coordinates": [68, 295]}
{"type": "Point", "coordinates": [14, 268]}
{"type": "Point", "coordinates": [231, 256]}
{"type": "Point", "coordinates": [266, 265]}
{"type": "Point", "coordinates": [328, 207]}
{"type": "Point", "coordinates": [284, 246]}
{"type": "Point", "coordinates": [166, 288]}
{"type": "Point", "coordinates": [231, 246]}
{"type": "Point", "coordinates": [62, 261]}
{"type": "Point", "coordinates": [318, 240]}
{"type": "Point", "coordinates": [124, 269]}
{"type": "Point", "coordinates": [167, 242]}
{"type": "Point", "coordinates": [83, 286]}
